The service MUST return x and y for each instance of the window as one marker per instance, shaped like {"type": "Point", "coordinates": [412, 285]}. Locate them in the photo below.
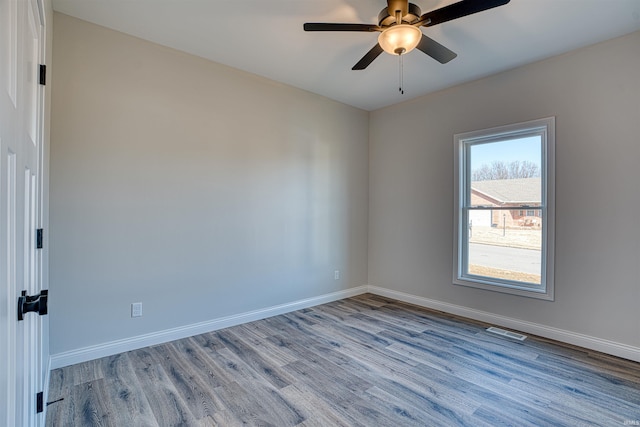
{"type": "Point", "coordinates": [504, 209]}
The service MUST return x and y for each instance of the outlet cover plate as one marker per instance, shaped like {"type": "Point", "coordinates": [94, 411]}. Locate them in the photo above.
{"type": "Point", "coordinates": [136, 309]}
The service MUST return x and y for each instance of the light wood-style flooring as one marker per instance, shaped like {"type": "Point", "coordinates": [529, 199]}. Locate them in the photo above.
{"type": "Point", "coordinates": [362, 361]}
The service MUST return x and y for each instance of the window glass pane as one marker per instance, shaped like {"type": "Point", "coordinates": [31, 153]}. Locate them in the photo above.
{"type": "Point", "coordinates": [508, 159]}
{"type": "Point", "coordinates": [509, 249]}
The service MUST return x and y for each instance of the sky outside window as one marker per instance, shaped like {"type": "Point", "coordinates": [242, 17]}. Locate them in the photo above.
{"type": "Point", "coordinates": [521, 149]}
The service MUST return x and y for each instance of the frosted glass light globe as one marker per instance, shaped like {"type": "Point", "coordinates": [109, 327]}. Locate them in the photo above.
{"type": "Point", "coordinates": [400, 39]}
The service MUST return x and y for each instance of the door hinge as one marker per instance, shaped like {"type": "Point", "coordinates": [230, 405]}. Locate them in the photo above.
{"type": "Point", "coordinates": [39, 402]}
{"type": "Point", "coordinates": [43, 74]}
{"type": "Point", "coordinates": [36, 303]}
{"type": "Point", "coordinates": [39, 233]}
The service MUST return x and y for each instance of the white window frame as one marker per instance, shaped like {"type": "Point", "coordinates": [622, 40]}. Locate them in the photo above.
{"type": "Point", "coordinates": [462, 141]}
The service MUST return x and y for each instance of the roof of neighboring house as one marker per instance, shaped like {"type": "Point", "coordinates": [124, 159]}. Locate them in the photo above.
{"type": "Point", "coordinates": [520, 190]}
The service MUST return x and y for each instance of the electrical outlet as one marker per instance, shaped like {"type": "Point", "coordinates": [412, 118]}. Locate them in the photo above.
{"type": "Point", "coordinates": [336, 275]}
{"type": "Point", "coordinates": [136, 309]}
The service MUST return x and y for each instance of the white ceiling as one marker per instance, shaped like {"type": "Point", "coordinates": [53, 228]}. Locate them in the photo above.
{"type": "Point", "coordinates": [265, 37]}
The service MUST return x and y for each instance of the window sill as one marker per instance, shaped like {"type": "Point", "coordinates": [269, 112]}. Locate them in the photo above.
{"type": "Point", "coordinates": [524, 290]}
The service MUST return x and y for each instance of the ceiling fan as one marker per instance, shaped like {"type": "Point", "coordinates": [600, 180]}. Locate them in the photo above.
{"type": "Point", "coordinates": [399, 27]}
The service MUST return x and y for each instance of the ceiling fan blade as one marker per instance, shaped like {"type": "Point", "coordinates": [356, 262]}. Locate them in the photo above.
{"type": "Point", "coordinates": [458, 10]}
{"type": "Point", "coordinates": [435, 50]}
{"type": "Point", "coordinates": [368, 58]}
{"type": "Point", "coordinates": [319, 26]}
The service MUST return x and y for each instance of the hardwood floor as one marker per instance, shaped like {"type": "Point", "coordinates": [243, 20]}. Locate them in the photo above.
{"type": "Point", "coordinates": [363, 361]}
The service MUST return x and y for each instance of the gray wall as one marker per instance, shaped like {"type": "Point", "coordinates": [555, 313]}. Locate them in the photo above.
{"type": "Point", "coordinates": [594, 93]}
{"type": "Point", "coordinates": [199, 190]}
{"type": "Point", "coordinates": [204, 191]}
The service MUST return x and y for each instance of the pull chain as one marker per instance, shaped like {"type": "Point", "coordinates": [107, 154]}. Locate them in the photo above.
{"type": "Point", "coordinates": [401, 74]}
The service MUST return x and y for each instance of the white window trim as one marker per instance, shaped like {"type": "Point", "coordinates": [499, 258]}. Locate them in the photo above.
{"type": "Point", "coordinates": [546, 291]}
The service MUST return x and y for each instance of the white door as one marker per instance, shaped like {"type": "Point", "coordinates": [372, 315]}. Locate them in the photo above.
{"type": "Point", "coordinates": [21, 117]}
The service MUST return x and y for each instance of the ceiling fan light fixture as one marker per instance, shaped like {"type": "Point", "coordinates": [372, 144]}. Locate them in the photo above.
{"type": "Point", "coordinates": [400, 39]}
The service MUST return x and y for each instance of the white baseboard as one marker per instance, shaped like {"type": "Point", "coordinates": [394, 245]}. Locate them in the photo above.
{"type": "Point", "coordinates": [107, 349]}
{"type": "Point", "coordinates": [586, 341]}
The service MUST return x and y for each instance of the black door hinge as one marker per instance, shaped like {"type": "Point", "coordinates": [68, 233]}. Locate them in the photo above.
{"type": "Point", "coordinates": [33, 303]}
{"type": "Point", "coordinates": [39, 402]}
{"type": "Point", "coordinates": [39, 233]}
{"type": "Point", "coordinates": [43, 74]}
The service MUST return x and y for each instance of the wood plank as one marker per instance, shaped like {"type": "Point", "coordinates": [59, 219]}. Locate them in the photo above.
{"type": "Point", "coordinates": [168, 406]}
{"type": "Point", "coordinates": [264, 347]}
{"type": "Point", "coordinates": [258, 362]}
{"type": "Point", "coordinates": [316, 411]}
{"type": "Point", "coordinates": [196, 390]}
{"type": "Point", "coordinates": [352, 408]}
{"type": "Point", "coordinates": [95, 408]}
{"type": "Point", "coordinates": [125, 392]}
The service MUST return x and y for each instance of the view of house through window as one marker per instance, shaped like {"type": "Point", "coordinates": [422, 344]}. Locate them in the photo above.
{"type": "Point", "coordinates": [502, 208]}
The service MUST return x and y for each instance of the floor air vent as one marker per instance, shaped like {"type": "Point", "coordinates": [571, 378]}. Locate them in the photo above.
{"type": "Point", "coordinates": [507, 334]}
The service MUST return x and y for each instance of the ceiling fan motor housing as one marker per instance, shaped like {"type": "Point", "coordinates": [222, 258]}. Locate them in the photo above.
{"type": "Point", "coordinates": [410, 13]}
